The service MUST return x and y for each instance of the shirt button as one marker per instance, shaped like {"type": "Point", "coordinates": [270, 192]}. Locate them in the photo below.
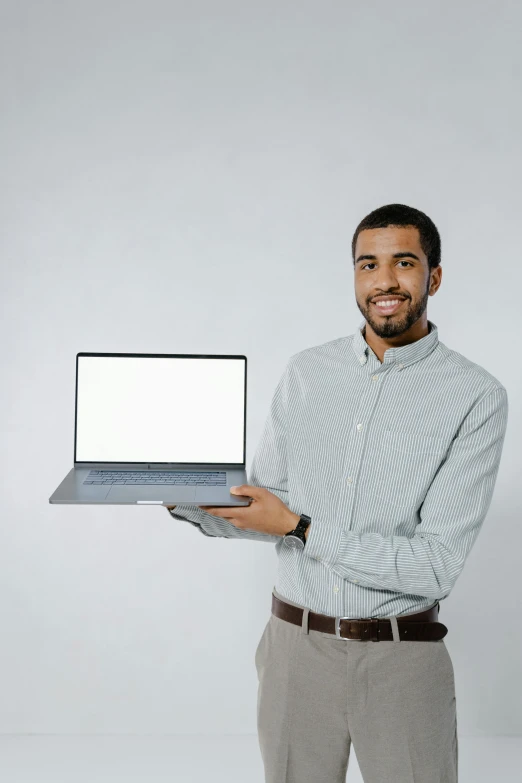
{"type": "Point", "coordinates": [336, 589]}
{"type": "Point", "coordinates": [375, 377]}
{"type": "Point", "coordinates": [359, 426]}
{"type": "Point", "coordinates": [349, 479]}
{"type": "Point", "coordinates": [362, 359]}
{"type": "Point", "coordinates": [355, 580]}
{"type": "Point", "coordinates": [401, 366]}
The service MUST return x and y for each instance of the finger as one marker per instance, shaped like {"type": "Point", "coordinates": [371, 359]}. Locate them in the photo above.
{"type": "Point", "coordinates": [248, 490]}
{"type": "Point", "coordinates": [216, 511]}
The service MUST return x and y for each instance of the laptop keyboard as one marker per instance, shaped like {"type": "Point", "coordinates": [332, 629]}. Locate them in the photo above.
{"type": "Point", "coordinates": [178, 477]}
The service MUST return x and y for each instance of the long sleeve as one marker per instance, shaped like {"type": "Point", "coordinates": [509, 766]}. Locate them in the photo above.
{"type": "Point", "coordinates": [268, 470]}
{"type": "Point", "coordinates": [429, 563]}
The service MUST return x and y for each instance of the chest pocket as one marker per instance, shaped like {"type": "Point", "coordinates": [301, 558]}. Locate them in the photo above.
{"type": "Point", "coordinates": [404, 466]}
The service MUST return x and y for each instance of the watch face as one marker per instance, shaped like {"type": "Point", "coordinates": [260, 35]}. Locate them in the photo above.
{"type": "Point", "coordinates": [294, 542]}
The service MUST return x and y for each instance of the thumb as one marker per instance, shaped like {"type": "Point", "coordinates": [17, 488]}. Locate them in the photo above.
{"type": "Point", "coordinates": [245, 489]}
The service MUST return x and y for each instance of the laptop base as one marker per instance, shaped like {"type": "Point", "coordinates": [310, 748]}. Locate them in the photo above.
{"type": "Point", "coordinates": [72, 490]}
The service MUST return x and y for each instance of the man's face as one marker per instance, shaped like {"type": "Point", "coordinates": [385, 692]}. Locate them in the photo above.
{"type": "Point", "coordinates": [407, 278]}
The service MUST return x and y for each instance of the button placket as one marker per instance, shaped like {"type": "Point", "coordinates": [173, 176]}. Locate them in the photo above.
{"type": "Point", "coordinates": [367, 407]}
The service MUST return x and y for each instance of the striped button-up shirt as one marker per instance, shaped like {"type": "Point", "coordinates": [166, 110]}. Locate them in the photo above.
{"type": "Point", "coordinates": [395, 463]}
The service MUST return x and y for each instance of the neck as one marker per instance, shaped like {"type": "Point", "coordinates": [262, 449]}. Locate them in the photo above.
{"type": "Point", "coordinates": [380, 345]}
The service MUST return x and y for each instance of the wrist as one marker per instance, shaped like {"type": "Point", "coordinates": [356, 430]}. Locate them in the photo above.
{"type": "Point", "coordinates": [291, 522]}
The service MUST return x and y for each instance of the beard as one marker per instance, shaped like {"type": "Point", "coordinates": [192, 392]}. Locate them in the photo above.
{"type": "Point", "coordinates": [396, 324]}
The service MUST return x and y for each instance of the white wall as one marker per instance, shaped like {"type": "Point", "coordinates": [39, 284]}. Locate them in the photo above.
{"type": "Point", "coordinates": [187, 177]}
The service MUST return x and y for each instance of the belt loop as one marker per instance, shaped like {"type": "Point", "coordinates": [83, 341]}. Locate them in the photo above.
{"type": "Point", "coordinates": [304, 624]}
{"type": "Point", "coordinates": [395, 629]}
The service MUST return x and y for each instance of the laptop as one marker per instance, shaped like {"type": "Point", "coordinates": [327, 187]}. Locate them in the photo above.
{"type": "Point", "coordinates": [158, 429]}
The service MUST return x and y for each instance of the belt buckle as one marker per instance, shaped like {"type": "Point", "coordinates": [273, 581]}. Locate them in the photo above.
{"type": "Point", "coordinates": [338, 629]}
{"type": "Point", "coordinates": [374, 636]}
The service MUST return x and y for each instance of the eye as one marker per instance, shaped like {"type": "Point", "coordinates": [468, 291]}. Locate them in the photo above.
{"type": "Point", "coordinates": [372, 263]}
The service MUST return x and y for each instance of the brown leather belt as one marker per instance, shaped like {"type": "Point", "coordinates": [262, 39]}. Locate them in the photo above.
{"type": "Point", "coordinates": [418, 627]}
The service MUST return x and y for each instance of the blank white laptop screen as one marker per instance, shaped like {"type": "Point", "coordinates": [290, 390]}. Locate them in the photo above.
{"type": "Point", "coordinates": [160, 409]}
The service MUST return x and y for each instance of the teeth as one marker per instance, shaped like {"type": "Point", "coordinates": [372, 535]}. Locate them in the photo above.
{"type": "Point", "coordinates": [388, 304]}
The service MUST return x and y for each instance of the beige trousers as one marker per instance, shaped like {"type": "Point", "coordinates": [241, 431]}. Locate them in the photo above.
{"type": "Point", "coordinates": [394, 700]}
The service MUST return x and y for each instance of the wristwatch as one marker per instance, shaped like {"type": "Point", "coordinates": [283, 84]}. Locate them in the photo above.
{"type": "Point", "coordinates": [296, 538]}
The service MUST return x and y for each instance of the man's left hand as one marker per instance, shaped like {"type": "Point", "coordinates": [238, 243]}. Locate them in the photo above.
{"type": "Point", "coordinates": [266, 513]}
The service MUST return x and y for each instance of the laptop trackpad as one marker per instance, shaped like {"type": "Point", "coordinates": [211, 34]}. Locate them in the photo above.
{"type": "Point", "coordinates": [161, 492]}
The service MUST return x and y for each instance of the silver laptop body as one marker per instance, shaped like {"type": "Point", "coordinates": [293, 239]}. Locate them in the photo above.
{"type": "Point", "coordinates": [158, 429]}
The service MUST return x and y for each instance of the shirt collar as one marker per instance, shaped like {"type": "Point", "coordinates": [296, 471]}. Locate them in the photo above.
{"type": "Point", "coordinates": [402, 355]}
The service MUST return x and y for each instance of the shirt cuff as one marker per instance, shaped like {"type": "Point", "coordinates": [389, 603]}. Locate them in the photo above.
{"type": "Point", "coordinates": [323, 542]}
{"type": "Point", "coordinates": [198, 525]}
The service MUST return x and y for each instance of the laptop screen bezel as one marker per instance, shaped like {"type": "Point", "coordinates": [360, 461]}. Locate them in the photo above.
{"type": "Point", "coordinates": [89, 463]}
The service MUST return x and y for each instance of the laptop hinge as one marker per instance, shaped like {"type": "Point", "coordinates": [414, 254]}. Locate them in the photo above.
{"type": "Point", "coordinates": [155, 466]}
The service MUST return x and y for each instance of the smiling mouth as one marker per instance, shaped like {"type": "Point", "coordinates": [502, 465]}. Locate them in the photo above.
{"type": "Point", "coordinates": [392, 306]}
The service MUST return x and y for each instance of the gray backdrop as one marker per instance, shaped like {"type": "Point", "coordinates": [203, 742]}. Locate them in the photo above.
{"type": "Point", "coordinates": [187, 177]}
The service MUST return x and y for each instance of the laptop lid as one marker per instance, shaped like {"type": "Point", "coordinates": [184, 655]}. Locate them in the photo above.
{"type": "Point", "coordinates": [160, 410]}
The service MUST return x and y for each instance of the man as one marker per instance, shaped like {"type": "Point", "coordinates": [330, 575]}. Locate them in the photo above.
{"type": "Point", "coordinates": [390, 443]}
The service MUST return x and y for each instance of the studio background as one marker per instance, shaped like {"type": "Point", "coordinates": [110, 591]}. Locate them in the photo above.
{"type": "Point", "coordinates": [187, 178]}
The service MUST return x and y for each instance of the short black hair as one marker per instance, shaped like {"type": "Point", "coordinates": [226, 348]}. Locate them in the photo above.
{"type": "Point", "coordinates": [402, 215]}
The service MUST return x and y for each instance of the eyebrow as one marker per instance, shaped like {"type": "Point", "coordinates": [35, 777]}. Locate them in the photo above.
{"type": "Point", "coordinates": [395, 255]}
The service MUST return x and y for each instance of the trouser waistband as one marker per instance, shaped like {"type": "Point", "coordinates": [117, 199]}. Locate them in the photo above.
{"type": "Point", "coordinates": [418, 627]}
